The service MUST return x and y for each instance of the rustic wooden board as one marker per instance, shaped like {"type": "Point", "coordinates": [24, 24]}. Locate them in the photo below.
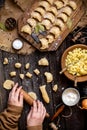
{"type": "Point", "coordinates": [78, 119]}
{"type": "Point", "coordinates": [74, 18]}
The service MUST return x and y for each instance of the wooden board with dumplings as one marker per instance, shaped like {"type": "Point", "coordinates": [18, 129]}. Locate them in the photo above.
{"type": "Point", "coordinates": [48, 22]}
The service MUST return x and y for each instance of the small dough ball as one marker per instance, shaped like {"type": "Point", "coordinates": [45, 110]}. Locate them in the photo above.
{"type": "Point", "coordinates": [36, 71]}
{"type": "Point", "coordinates": [13, 73]}
{"type": "Point", "coordinates": [29, 75]}
{"type": "Point", "coordinates": [55, 87]}
{"type": "Point", "coordinates": [8, 84]}
{"type": "Point", "coordinates": [17, 65]}
{"type": "Point", "coordinates": [5, 62]}
{"type": "Point", "coordinates": [33, 95]}
{"type": "Point", "coordinates": [21, 76]}
{"type": "Point", "coordinates": [27, 66]}
{"type": "Point", "coordinates": [43, 62]}
{"type": "Point", "coordinates": [49, 77]}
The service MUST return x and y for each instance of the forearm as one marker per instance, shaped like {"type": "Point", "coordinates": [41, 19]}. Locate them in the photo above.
{"type": "Point", "coordinates": [35, 127]}
{"type": "Point", "coordinates": [9, 118]}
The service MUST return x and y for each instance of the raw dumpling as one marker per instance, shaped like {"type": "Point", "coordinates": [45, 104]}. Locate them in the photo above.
{"type": "Point", "coordinates": [67, 10]}
{"type": "Point", "coordinates": [60, 23]}
{"type": "Point", "coordinates": [58, 4]}
{"type": "Point", "coordinates": [55, 31]}
{"type": "Point", "coordinates": [50, 16]}
{"type": "Point", "coordinates": [73, 4]}
{"type": "Point", "coordinates": [50, 38]}
{"type": "Point", "coordinates": [63, 16]}
{"type": "Point", "coordinates": [44, 4]}
{"type": "Point", "coordinates": [50, 1]}
{"type": "Point", "coordinates": [32, 22]}
{"type": "Point", "coordinates": [49, 77]}
{"type": "Point", "coordinates": [27, 29]}
{"type": "Point", "coordinates": [44, 43]}
{"type": "Point", "coordinates": [43, 62]}
{"type": "Point", "coordinates": [53, 10]}
{"type": "Point", "coordinates": [46, 23]}
{"type": "Point", "coordinates": [65, 2]}
{"type": "Point", "coordinates": [36, 15]}
{"type": "Point", "coordinates": [40, 10]}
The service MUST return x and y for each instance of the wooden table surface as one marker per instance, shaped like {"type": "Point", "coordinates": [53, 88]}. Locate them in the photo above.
{"type": "Point", "coordinates": [78, 119]}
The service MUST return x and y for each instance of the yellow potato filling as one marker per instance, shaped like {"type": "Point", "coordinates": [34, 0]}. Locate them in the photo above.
{"type": "Point", "coordinates": [76, 62]}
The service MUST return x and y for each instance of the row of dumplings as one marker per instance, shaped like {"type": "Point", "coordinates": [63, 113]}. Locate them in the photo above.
{"type": "Point", "coordinates": [49, 17]}
{"type": "Point", "coordinates": [53, 21]}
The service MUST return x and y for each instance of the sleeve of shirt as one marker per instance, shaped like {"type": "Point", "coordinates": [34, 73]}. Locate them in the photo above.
{"type": "Point", "coordinates": [9, 118]}
{"type": "Point", "coordinates": [39, 127]}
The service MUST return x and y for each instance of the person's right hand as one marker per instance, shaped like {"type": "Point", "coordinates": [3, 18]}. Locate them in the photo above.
{"type": "Point", "coordinates": [36, 115]}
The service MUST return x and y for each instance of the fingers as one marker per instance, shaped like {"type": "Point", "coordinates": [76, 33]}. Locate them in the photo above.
{"type": "Point", "coordinates": [29, 114]}
{"type": "Point", "coordinates": [40, 106]}
{"type": "Point", "coordinates": [21, 98]}
{"type": "Point", "coordinates": [41, 109]}
{"type": "Point", "coordinates": [17, 93]}
{"type": "Point", "coordinates": [44, 113]}
{"type": "Point", "coordinates": [34, 109]}
{"type": "Point", "coordinates": [14, 88]}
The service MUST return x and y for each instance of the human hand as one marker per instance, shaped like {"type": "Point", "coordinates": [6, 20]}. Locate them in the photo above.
{"type": "Point", "coordinates": [36, 114]}
{"type": "Point", "coordinates": [15, 96]}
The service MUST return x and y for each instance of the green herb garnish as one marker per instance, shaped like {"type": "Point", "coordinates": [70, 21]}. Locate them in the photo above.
{"type": "Point", "coordinates": [39, 27]}
{"type": "Point", "coordinates": [2, 26]}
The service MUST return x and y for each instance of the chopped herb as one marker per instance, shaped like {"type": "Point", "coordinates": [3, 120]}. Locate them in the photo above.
{"type": "Point", "coordinates": [2, 26]}
{"type": "Point", "coordinates": [39, 28]}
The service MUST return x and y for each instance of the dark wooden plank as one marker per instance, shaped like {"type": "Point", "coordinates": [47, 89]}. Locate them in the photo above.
{"type": "Point", "coordinates": [2, 90]}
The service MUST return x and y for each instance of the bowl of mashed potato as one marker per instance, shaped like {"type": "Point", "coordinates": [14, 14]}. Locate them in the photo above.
{"type": "Point", "coordinates": [74, 62]}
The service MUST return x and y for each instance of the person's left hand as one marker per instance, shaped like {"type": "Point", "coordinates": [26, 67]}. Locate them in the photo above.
{"type": "Point", "coordinates": [15, 96]}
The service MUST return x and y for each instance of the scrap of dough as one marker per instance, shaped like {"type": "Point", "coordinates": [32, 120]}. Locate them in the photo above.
{"type": "Point", "coordinates": [55, 87]}
{"type": "Point", "coordinates": [17, 65]}
{"type": "Point", "coordinates": [8, 84]}
{"type": "Point", "coordinates": [27, 66]}
{"type": "Point", "coordinates": [21, 76]}
{"type": "Point", "coordinates": [44, 93]}
{"type": "Point", "coordinates": [28, 74]}
{"type": "Point", "coordinates": [5, 62]}
{"type": "Point", "coordinates": [33, 95]}
{"type": "Point", "coordinates": [36, 71]}
{"type": "Point", "coordinates": [13, 73]}
{"type": "Point", "coordinates": [43, 62]}
{"type": "Point", "coordinates": [49, 77]}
